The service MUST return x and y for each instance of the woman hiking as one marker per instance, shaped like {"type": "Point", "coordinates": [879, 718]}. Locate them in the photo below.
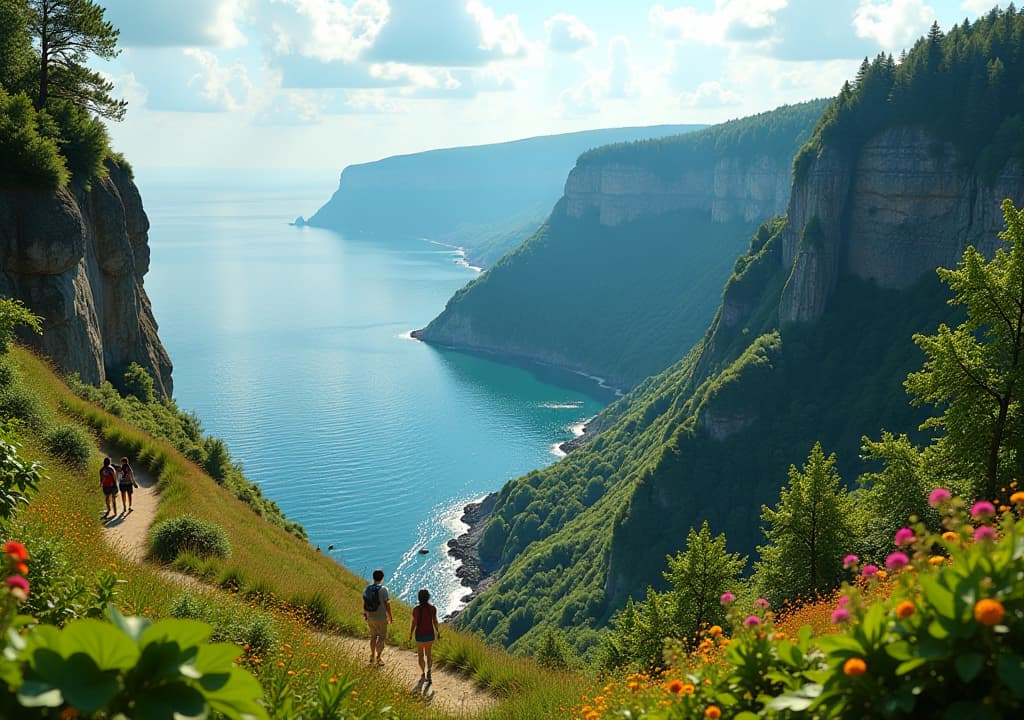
{"type": "Point", "coordinates": [424, 626]}
{"type": "Point", "coordinates": [126, 482]}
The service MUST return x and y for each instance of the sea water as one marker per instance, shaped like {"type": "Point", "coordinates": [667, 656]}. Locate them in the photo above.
{"type": "Point", "coordinates": [292, 344]}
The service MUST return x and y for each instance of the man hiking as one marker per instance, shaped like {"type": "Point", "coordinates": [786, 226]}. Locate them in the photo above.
{"type": "Point", "coordinates": [108, 481]}
{"type": "Point", "coordinates": [377, 611]}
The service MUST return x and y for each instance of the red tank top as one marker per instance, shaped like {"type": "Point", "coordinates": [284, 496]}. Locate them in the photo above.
{"type": "Point", "coordinates": [424, 620]}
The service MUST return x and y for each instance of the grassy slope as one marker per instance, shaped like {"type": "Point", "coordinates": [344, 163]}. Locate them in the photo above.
{"type": "Point", "coordinates": [285, 570]}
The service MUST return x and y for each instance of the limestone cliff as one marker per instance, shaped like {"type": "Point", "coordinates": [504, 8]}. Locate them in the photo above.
{"type": "Point", "coordinates": [77, 258]}
{"type": "Point", "coordinates": [904, 205]}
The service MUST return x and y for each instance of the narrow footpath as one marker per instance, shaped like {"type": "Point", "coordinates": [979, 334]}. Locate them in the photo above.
{"type": "Point", "coordinates": [450, 690]}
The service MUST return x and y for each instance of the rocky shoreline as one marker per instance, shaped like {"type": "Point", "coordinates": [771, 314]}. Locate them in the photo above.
{"type": "Point", "coordinates": [473, 572]}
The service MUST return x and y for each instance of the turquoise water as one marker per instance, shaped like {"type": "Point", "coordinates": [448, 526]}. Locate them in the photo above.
{"type": "Point", "coordinates": [292, 345]}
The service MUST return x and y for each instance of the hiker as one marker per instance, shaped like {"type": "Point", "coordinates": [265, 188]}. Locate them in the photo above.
{"type": "Point", "coordinates": [126, 481]}
{"type": "Point", "coordinates": [108, 481]}
{"type": "Point", "coordinates": [424, 625]}
{"type": "Point", "coordinates": [377, 611]}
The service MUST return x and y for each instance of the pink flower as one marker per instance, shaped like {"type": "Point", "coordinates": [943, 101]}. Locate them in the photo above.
{"type": "Point", "coordinates": [844, 601]}
{"type": "Point", "coordinates": [761, 603]}
{"type": "Point", "coordinates": [897, 561]}
{"type": "Point", "coordinates": [18, 587]}
{"type": "Point", "coordinates": [849, 561]}
{"type": "Point", "coordinates": [869, 571]}
{"type": "Point", "coordinates": [982, 510]}
{"type": "Point", "coordinates": [904, 536]}
{"type": "Point", "coordinates": [752, 620]}
{"type": "Point", "coordinates": [984, 533]}
{"type": "Point", "coordinates": [727, 598]}
{"type": "Point", "coordinates": [840, 615]}
{"type": "Point", "coordinates": [938, 497]}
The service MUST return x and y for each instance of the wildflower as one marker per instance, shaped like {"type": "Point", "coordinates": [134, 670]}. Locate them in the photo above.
{"type": "Point", "coordinates": [727, 598]}
{"type": "Point", "coordinates": [713, 713]}
{"type": "Point", "coordinates": [688, 689]}
{"type": "Point", "coordinates": [840, 615]}
{"type": "Point", "coordinates": [989, 612]}
{"type": "Point", "coordinates": [897, 561]}
{"type": "Point", "coordinates": [936, 560]}
{"type": "Point", "coordinates": [1017, 498]}
{"type": "Point", "coordinates": [882, 574]}
{"type": "Point", "coordinates": [983, 510]}
{"type": "Point", "coordinates": [715, 630]}
{"type": "Point", "coordinates": [761, 603]}
{"type": "Point", "coordinates": [904, 536]}
{"type": "Point", "coordinates": [18, 587]}
{"type": "Point", "coordinates": [844, 601]}
{"type": "Point", "coordinates": [854, 666]}
{"type": "Point", "coordinates": [633, 685]}
{"type": "Point", "coordinates": [850, 561]}
{"type": "Point", "coordinates": [869, 571]}
{"type": "Point", "coordinates": [780, 635]}
{"type": "Point", "coordinates": [950, 536]}
{"type": "Point", "coordinates": [905, 609]}
{"type": "Point", "coordinates": [752, 620]}
{"type": "Point", "coordinates": [938, 496]}
{"type": "Point", "coordinates": [21, 568]}
{"type": "Point", "coordinates": [16, 550]}
{"type": "Point", "coordinates": [984, 533]}
{"type": "Point", "coordinates": [675, 687]}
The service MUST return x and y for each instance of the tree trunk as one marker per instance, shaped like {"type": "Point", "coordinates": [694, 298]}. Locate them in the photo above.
{"type": "Point", "coordinates": [992, 469]}
{"type": "Point", "coordinates": [44, 60]}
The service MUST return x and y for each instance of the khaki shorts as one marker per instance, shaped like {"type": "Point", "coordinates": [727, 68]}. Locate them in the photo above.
{"type": "Point", "coordinates": [378, 628]}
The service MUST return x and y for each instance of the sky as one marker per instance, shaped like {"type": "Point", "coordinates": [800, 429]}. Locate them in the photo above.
{"type": "Point", "coordinates": [328, 83]}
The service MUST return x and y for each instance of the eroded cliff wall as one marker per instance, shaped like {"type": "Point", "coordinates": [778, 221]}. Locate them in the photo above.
{"type": "Point", "coordinates": [78, 258]}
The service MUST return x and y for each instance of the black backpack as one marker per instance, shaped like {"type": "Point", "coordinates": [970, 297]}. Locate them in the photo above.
{"type": "Point", "coordinates": [371, 598]}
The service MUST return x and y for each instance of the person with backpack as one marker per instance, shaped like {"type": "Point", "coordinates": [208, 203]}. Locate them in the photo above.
{"type": "Point", "coordinates": [424, 625]}
{"type": "Point", "coordinates": [126, 481]}
{"type": "Point", "coordinates": [377, 611]}
{"type": "Point", "coordinates": [108, 481]}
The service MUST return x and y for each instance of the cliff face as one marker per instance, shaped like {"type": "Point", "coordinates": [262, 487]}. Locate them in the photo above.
{"type": "Point", "coordinates": [732, 188]}
{"type": "Point", "coordinates": [78, 258]}
{"type": "Point", "coordinates": [902, 207]}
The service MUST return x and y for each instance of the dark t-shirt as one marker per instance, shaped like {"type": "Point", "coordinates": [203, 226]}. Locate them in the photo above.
{"type": "Point", "coordinates": [424, 620]}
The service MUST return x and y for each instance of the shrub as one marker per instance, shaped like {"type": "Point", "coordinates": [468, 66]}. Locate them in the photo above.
{"type": "Point", "coordinates": [187, 533]}
{"type": "Point", "coordinates": [29, 152]}
{"type": "Point", "coordinates": [8, 373]}
{"type": "Point", "coordinates": [139, 383]}
{"type": "Point", "coordinates": [17, 402]}
{"type": "Point", "coordinates": [71, 442]}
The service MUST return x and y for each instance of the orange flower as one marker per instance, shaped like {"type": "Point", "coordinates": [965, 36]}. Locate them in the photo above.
{"type": "Point", "coordinates": [689, 689]}
{"type": "Point", "coordinates": [936, 560]}
{"type": "Point", "coordinates": [989, 612]}
{"type": "Point", "coordinates": [715, 630]}
{"type": "Point", "coordinates": [675, 687]}
{"type": "Point", "coordinates": [16, 550]}
{"type": "Point", "coordinates": [854, 666]}
{"type": "Point", "coordinates": [713, 713]}
{"type": "Point", "coordinates": [1017, 498]}
{"type": "Point", "coordinates": [950, 536]}
{"type": "Point", "coordinates": [905, 609]}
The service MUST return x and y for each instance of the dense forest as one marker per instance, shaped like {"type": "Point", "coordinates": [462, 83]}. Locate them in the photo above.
{"type": "Point", "coordinates": [715, 436]}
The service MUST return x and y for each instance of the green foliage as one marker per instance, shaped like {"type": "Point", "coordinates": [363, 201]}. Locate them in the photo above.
{"type": "Point", "coordinates": [252, 629]}
{"type": "Point", "coordinates": [186, 533]}
{"type": "Point", "coordinates": [84, 141]}
{"type": "Point", "coordinates": [808, 532]}
{"type": "Point", "coordinates": [138, 383]}
{"type": "Point", "coordinates": [554, 652]}
{"type": "Point", "coordinates": [16, 56]}
{"type": "Point", "coordinates": [29, 149]}
{"type": "Point", "coordinates": [59, 593]}
{"type": "Point", "coordinates": [975, 371]}
{"type": "Point", "coordinates": [71, 442]}
{"type": "Point", "coordinates": [14, 314]}
{"type": "Point", "coordinates": [17, 478]}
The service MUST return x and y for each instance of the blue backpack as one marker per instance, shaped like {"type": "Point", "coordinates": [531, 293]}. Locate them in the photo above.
{"type": "Point", "coordinates": [371, 598]}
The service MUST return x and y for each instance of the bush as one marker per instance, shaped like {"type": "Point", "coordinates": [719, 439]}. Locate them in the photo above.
{"type": "Point", "coordinates": [17, 402]}
{"type": "Point", "coordinates": [84, 141]}
{"type": "Point", "coordinates": [187, 533]}
{"type": "Point", "coordinates": [71, 442]}
{"type": "Point", "coordinates": [139, 383]}
{"type": "Point", "coordinates": [29, 153]}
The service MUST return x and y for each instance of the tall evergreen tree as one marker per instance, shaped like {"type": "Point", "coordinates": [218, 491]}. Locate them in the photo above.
{"type": "Point", "coordinates": [976, 370]}
{"type": "Point", "coordinates": [16, 54]}
{"type": "Point", "coordinates": [68, 32]}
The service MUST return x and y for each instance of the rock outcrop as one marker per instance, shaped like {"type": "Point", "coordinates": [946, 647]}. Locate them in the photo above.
{"type": "Point", "coordinates": [903, 206]}
{"type": "Point", "coordinates": [78, 258]}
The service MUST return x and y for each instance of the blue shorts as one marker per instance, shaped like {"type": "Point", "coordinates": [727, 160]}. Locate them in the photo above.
{"type": "Point", "coordinates": [429, 637]}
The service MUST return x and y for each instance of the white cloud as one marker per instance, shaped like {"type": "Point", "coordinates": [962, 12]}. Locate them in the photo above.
{"type": "Point", "coordinates": [741, 21]}
{"type": "Point", "coordinates": [710, 94]}
{"type": "Point", "coordinates": [617, 80]}
{"type": "Point", "coordinates": [225, 87]}
{"type": "Point", "coordinates": [893, 25]}
{"type": "Point", "coordinates": [157, 23]}
{"type": "Point", "coordinates": [322, 29]}
{"type": "Point", "coordinates": [568, 34]}
{"type": "Point", "coordinates": [499, 35]}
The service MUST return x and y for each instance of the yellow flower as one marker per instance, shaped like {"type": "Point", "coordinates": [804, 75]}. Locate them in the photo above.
{"type": "Point", "coordinates": [715, 630]}
{"type": "Point", "coordinates": [1017, 498]}
{"type": "Point", "coordinates": [936, 560]}
{"type": "Point", "coordinates": [882, 574]}
{"type": "Point", "coordinates": [905, 609]}
{"type": "Point", "coordinates": [688, 689]}
{"type": "Point", "coordinates": [713, 713]}
{"type": "Point", "coordinates": [950, 536]}
{"type": "Point", "coordinates": [989, 612]}
{"type": "Point", "coordinates": [854, 666]}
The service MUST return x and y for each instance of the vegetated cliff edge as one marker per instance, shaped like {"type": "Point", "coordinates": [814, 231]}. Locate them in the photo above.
{"type": "Point", "coordinates": [627, 272]}
{"type": "Point", "coordinates": [486, 198]}
{"type": "Point", "coordinates": [77, 257]}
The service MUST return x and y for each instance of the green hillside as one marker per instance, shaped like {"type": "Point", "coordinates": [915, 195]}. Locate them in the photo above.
{"type": "Point", "coordinates": [624, 301]}
{"type": "Point", "coordinates": [712, 437]}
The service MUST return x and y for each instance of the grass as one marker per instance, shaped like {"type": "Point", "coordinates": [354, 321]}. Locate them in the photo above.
{"type": "Point", "coordinates": [276, 588]}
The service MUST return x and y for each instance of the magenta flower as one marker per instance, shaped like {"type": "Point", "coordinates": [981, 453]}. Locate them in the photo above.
{"type": "Point", "coordinates": [939, 496]}
{"type": "Point", "coordinates": [869, 571]}
{"type": "Point", "coordinates": [904, 536]}
{"type": "Point", "coordinates": [983, 510]}
{"type": "Point", "coordinates": [18, 587]}
{"type": "Point", "coordinates": [844, 601]}
{"type": "Point", "coordinates": [840, 615]}
{"type": "Point", "coordinates": [849, 561]}
{"type": "Point", "coordinates": [984, 533]}
{"type": "Point", "coordinates": [752, 620]}
{"type": "Point", "coordinates": [727, 598]}
{"type": "Point", "coordinates": [761, 603]}
{"type": "Point", "coordinates": [897, 561]}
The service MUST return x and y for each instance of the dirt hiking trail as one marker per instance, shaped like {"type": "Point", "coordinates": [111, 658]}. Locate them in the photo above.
{"type": "Point", "coordinates": [450, 690]}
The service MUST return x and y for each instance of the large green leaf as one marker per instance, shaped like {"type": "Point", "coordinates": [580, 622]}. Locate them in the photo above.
{"type": "Point", "coordinates": [109, 648]}
{"type": "Point", "coordinates": [85, 686]}
{"type": "Point", "coordinates": [1010, 669]}
{"type": "Point", "coordinates": [132, 626]}
{"type": "Point", "coordinates": [186, 633]}
{"type": "Point", "coordinates": [33, 693]}
{"type": "Point", "coordinates": [238, 698]}
{"type": "Point", "coordinates": [173, 701]}
{"type": "Point", "coordinates": [218, 657]}
{"type": "Point", "coordinates": [969, 665]}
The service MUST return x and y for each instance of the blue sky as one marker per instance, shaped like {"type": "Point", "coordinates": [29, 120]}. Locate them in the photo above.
{"type": "Point", "coordinates": [326, 83]}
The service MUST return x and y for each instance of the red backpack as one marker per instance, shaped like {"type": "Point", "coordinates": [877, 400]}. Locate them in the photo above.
{"type": "Point", "coordinates": [107, 476]}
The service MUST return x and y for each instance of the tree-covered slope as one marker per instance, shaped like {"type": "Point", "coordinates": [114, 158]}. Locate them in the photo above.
{"type": "Point", "coordinates": [626, 273]}
{"type": "Point", "coordinates": [812, 342]}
